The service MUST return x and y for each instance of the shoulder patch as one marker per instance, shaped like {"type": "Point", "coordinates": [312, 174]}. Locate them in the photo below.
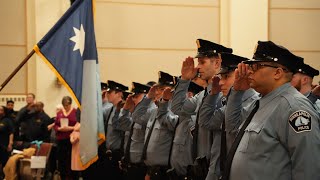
{"type": "Point", "coordinates": [300, 121]}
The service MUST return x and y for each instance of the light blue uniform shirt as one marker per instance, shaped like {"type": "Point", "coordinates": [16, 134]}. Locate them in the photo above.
{"type": "Point", "coordinates": [281, 142]}
{"type": "Point", "coordinates": [162, 134]}
{"type": "Point", "coordinates": [181, 155]}
{"type": "Point", "coordinates": [114, 135]}
{"type": "Point", "coordinates": [183, 106]}
{"type": "Point", "coordinates": [214, 124]}
{"type": "Point", "coordinates": [139, 128]}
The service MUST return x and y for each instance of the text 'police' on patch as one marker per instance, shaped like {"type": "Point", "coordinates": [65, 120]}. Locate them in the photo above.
{"type": "Point", "coordinates": [300, 121]}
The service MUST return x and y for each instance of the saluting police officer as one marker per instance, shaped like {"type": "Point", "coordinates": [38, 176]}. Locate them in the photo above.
{"type": "Point", "coordinates": [116, 121]}
{"type": "Point", "coordinates": [160, 127]}
{"type": "Point", "coordinates": [223, 136]}
{"type": "Point", "coordinates": [302, 81]}
{"type": "Point", "coordinates": [131, 162]}
{"type": "Point", "coordinates": [280, 135]}
{"type": "Point", "coordinates": [114, 137]}
{"type": "Point", "coordinates": [181, 155]}
{"type": "Point", "coordinates": [209, 64]}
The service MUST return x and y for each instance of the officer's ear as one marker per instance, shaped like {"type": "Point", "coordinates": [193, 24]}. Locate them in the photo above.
{"type": "Point", "coordinates": [279, 73]}
{"type": "Point", "coordinates": [217, 61]}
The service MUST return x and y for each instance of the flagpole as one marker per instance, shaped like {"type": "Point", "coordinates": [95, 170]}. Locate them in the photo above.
{"type": "Point", "coordinates": [16, 70]}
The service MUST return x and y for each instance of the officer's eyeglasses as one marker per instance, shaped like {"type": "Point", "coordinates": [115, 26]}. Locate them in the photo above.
{"type": "Point", "coordinates": [256, 66]}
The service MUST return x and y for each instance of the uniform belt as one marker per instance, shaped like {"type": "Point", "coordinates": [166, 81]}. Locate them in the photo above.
{"type": "Point", "coordinates": [154, 170]}
{"type": "Point", "coordinates": [182, 178]}
{"type": "Point", "coordinates": [111, 154]}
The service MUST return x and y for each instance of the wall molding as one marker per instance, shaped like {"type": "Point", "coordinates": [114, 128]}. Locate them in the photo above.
{"type": "Point", "coordinates": [158, 4]}
{"type": "Point", "coordinates": [13, 45]}
{"type": "Point", "coordinates": [147, 49]}
{"type": "Point", "coordinates": [298, 9]}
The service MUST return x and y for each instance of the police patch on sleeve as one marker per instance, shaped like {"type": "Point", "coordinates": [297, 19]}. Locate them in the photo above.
{"type": "Point", "coordinates": [300, 121]}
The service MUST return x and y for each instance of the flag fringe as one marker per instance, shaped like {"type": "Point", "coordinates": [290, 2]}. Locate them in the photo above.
{"type": "Point", "coordinates": [85, 166]}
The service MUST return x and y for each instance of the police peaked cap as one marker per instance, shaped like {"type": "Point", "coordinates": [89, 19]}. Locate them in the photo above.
{"type": "Point", "coordinates": [112, 85]}
{"type": "Point", "coordinates": [307, 70]}
{"type": "Point", "coordinates": [104, 86]}
{"type": "Point", "coordinates": [230, 62]}
{"type": "Point", "coordinates": [267, 51]}
{"type": "Point", "coordinates": [165, 79]}
{"type": "Point", "coordinates": [126, 94]}
{"type": "Point", "coordinates": [209, 49]}
{"type": "Point", "coordinates": [138, 88]}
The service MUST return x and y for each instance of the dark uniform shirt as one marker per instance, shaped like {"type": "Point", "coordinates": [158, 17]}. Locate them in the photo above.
{"type": "Point", "coordinates": [5, 130]}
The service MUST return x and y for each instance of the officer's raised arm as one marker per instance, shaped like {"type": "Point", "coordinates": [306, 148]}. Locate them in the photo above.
{"type": "Point", "coordinates": [181, 105]}
{"type": "Point", "coordinates": [234, 107]}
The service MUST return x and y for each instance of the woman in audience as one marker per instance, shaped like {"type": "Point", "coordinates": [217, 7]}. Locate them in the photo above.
{"type": "Point", "coordinates": [65, 121]}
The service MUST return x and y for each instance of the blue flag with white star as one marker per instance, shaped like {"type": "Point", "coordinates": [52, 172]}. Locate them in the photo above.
{"type": "Point", "coordinates": [69, 49]}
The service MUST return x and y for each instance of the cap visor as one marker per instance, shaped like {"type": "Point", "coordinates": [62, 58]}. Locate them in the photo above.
{"type": "Point", "coordinates": [250, 61]}
{"type": "Point", "coordinates": [200, 56]}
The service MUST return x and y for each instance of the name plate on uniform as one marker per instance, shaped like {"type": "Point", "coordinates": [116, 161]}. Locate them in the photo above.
{"type": "Point", "coordinates": [38, 162]}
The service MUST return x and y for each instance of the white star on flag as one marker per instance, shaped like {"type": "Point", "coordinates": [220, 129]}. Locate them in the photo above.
{"type": "Point", "coordinates": [79, 39]}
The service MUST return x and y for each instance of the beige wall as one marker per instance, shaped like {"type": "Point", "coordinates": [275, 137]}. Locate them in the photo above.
{"type": "Point", "coordinates": [248, 24]}
{"type": "Point", "coordinates": [13, 45]}
{"type": "Point", "coordinates": [295, 24]}
{"type": "Point", "coordinates": [137, 38]}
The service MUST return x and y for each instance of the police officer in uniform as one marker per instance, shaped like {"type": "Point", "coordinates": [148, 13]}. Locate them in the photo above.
{"type": "Point", "coordinates": [228, 65]}
{"type": "Point", "coordinates": [160, 127]}
{"type": "Point", "coordinates": [302, 81]}
{"type": "Point", "coordinates": [279, 137]}
{"type": "Point", "coordinates": [131, 162]}
{"type": "Point", "coordinates": [115, 120]}
{"type": "Point", "coordinates": [114, 137]}
{"type": "Point", "coordinates": [181, 155]}
{"type": "Point", "coordinates": [209, 63]}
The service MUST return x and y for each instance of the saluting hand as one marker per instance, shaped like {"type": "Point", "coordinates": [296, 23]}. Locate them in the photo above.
{"type": "Point", "coordinates": [129, 105]}
{"type": "Point", "coordinates": [167, 94]}
{"type": "Point", "coordinates": [152, 93]}
{"type": "Point", "coordinates": [120, 105]}
{"type": "Point", "coordinates": [216, 88]}
{"type": "Point", "coordinates": [241, 82]}
{"type": "Point", "coordinates": [188, 71]}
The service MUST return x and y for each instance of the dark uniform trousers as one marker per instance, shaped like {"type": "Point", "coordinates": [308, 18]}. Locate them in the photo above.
{"type": "Point", "coordinates": [108, 164]}
{"type": "Point", "coordinates": [158, 172]}
{"type": "Point", "coordinates": [135, 171]}
{"type": "Point", "coordinates": [172, 174]}
{"type": "Point", "coordinates": [112, 165]}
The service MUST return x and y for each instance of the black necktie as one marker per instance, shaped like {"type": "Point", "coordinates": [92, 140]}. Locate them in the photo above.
{"type": "Point", "coordinates": [237, 140]}
{"type": "Point", "coordinates": [127, 150]}
{"type": "Point", "coordinates": [196, 129]}
{"type": "Point", "coordinates": [223, 147]}
{"type": "Point", "coordinates": [144, 151]}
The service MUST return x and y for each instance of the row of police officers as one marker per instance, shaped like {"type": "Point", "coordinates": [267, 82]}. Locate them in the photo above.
{"type": "Point", "coordinates": [226, 117]}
